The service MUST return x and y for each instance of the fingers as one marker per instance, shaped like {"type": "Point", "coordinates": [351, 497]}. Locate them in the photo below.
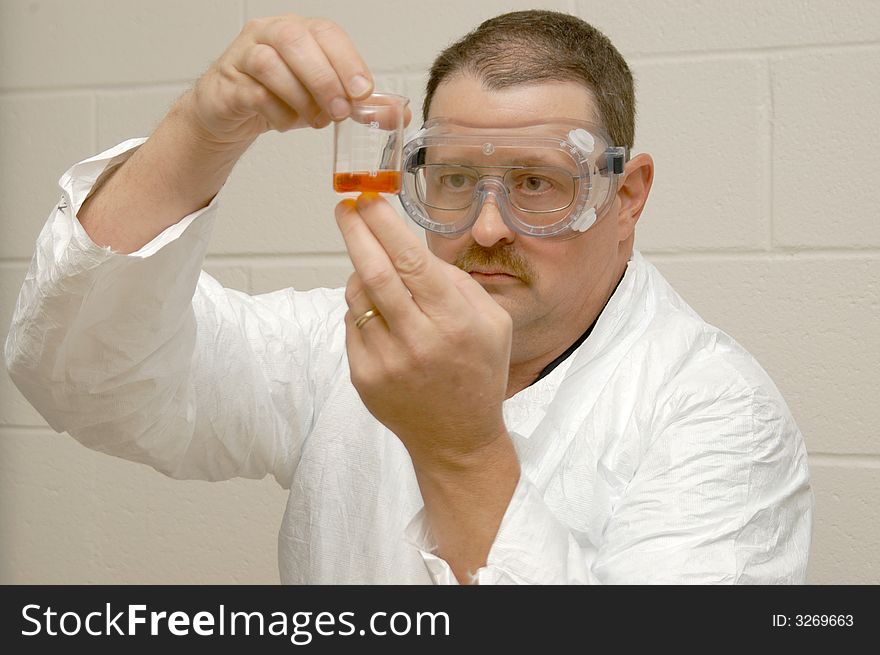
{"type": "Point", "coordinates": [381, 283]}
{"type": "Point", "coordinates": [418, 269]}
{"type": "Point", "coordinates": [355, 295]}
{"type": "Point", "coordinates": [288, 71]}
{"type": "Point", "coordinates": [267, 68]}
{"type": "Point", "coordinates": [368, 342]}
{"type": "Point", "coordinates": [344, 57]}
{"type": "Point", "coordinates": [359, 301]}
{"type": "Point", "coordinates": [322, 58]}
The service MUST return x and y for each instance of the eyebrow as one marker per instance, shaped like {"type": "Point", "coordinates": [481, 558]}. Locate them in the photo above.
{"type": "Point", "coordinates": [528, 160]}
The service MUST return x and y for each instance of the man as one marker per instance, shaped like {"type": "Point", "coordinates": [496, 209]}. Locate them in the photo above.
{"type": "Point", "coordinates": [546, 410]}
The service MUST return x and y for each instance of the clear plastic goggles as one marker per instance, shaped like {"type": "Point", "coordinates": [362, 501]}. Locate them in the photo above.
{"type": "Point", "coordinates": [552, 179]}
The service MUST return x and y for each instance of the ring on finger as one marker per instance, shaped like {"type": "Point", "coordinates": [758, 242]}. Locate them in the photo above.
{"type": "Point", "coordinates": [366, 316]}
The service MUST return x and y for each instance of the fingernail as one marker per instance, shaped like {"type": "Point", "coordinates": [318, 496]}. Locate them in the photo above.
{"type": "Point", "coordinates": [367, 197]}
{"type": "Point", "coordinates": [358, 86]}
{"type": "Point", "coordinates": [351, 203]}
{"type": "Point", "coordinates": [339, 108]}
{"type": "Point", "coordinates": [321, 119]}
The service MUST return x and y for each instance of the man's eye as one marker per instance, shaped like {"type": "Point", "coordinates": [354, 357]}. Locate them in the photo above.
{"type": "Point", "coordinates": [455, 181]}
{"type": "Point", "coordinates": [534, 184]}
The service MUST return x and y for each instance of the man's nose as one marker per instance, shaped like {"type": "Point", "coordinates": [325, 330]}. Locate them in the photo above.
{"type": "Point", "coordinates": [490, 228]}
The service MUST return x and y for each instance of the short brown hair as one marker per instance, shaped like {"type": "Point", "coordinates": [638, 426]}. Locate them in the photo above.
{"type": "Point", "coordinates": [538, 46]}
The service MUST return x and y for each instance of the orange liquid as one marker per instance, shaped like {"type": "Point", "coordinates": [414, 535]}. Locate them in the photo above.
{"type": "Point", "coordinates": [381, 182]}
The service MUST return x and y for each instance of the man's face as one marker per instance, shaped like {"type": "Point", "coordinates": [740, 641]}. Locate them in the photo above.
{"type": "Point", "coordinates": [548, 286]}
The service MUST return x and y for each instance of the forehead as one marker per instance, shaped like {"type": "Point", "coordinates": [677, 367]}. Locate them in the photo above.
{"type": "Point", "coordinates": [475, 156]}
{"type": "Point", "coordinates": [463, 97]}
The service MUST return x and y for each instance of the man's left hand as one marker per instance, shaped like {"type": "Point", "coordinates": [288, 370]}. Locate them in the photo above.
{"type": "Point", "coordinates": [433, 365]}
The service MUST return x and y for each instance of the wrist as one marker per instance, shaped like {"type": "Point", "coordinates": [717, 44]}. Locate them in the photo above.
{"type": "Point", "coordinates": [456, 466]}
{"type": "Point", "coordinates": [191, 165]}
{"type": "Point", "coordinates": [185, 119]}
{"type": "Point", "coordinates": [466, 503]}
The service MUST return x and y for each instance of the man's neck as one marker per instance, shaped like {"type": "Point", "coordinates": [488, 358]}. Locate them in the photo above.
{"type": "Point", "coordinates": [524, 373]}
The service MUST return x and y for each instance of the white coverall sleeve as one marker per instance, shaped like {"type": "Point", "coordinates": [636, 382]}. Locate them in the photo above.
{"type": "Point", "coordinates": [721, 496]}
{"type": "Point", "coordinates": [532, 547]}
{"type": "Point", "coordinates": [145, 357]}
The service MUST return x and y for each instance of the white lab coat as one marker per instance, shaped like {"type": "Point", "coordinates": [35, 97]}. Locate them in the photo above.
{"type": "Point", "coordinates": [658, 452]}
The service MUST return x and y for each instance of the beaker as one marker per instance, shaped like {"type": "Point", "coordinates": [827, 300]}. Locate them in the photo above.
{"type": "Point", "coordinates": [368, 145]}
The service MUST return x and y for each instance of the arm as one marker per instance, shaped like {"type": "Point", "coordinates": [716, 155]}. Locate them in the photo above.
{"type": "Point", "coordinates": [433, 368]}
{"type": "Point", "coordinates": [279, 73]}
{"type": "Point", "coordinates": [115, 331]}
{"type": "Point", "coordinates": [145, 357]}
{"type": "Point", "coordinates": [465, 502]}
{"type": "Point", "coordinates": [173, 174]}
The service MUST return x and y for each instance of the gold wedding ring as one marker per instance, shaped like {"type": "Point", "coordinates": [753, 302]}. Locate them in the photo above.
{"type": "Point", "coordinates": [366, 316]}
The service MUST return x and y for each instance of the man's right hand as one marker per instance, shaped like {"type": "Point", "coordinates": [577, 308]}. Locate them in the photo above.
{"type": "Point", "coordinates": [280, 73]}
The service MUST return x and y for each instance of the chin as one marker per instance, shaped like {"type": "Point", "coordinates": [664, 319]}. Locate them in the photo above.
{"type": "Point", "coordinates": [507, 304]}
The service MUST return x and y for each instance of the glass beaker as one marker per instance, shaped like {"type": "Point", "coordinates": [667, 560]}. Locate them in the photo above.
{"type": "Point", "coordinates": [368, 145]}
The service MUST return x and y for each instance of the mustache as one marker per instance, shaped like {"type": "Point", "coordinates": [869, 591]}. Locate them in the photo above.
{"type": "Point", "coordinates": [504, 258]}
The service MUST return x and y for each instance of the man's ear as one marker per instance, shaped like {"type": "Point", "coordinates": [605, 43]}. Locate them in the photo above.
{"type": "Point", "coordinates": [632, 193]}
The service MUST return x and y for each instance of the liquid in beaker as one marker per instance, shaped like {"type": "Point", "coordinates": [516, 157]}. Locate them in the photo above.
{"type": "Point", "coordinates": [368, 145]}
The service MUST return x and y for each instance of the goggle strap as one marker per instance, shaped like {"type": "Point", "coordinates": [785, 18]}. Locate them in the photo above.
{"type": "Point", "coordinates": [616, 159]}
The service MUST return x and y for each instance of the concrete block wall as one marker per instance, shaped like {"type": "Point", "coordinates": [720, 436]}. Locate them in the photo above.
{"type": "Point", "coordinates": [763, 215]}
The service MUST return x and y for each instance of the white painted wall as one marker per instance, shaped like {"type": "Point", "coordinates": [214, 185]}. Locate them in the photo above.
{"type": "Point", "coordinates": [761, 117]}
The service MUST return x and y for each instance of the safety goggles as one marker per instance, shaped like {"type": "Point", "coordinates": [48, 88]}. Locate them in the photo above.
{"type": "Point", "coordinates": [552, 179]}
